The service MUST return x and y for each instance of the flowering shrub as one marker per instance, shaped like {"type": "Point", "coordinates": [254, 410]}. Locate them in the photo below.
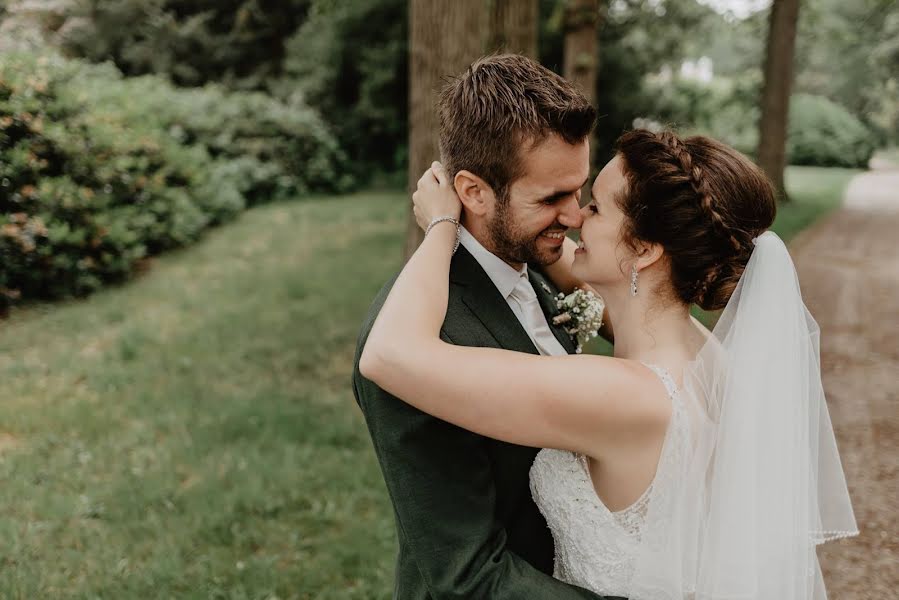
{"type": "Point", "coordinates": [98, 172]}
{"type": "Point", "coordinates": [275, 150]}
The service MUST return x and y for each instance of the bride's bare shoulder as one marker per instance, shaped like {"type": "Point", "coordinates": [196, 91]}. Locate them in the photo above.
{"type": "Point", "coordinates": [633, 398]}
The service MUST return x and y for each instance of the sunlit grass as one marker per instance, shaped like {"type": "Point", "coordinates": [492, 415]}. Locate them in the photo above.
{"type": "Point", "coordinates": [193, 434]}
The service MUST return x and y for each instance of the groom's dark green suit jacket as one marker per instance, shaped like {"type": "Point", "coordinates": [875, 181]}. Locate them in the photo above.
{"type": "Point", "coordinates": [466, 523]}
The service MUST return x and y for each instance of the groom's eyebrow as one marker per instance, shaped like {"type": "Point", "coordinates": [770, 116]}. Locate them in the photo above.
{"type": "Point", "coordinates": [562, 193]}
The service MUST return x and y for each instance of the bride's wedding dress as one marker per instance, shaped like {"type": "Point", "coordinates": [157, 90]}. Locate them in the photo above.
{"type": "Point", "coordinates": [748, 482]}
{"type": "Point", "coordinates": [596, 548]}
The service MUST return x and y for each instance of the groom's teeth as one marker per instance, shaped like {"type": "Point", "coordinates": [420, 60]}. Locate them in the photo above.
{"type": "Point", "coordinates": [555, 236]}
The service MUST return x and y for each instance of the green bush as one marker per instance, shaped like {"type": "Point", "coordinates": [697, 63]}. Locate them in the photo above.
{"type": "Point", "coordinates": [85, 194]}
{"type": "Point", "coordinates": [350, 61]}
{"type": "Point", "coordinates": [824, 134]}
{"type": "Point", "coordinates": [724, 108]}
{"type": "Point", "coordinates": [98, 171]}
{"type": "Point", "coordinates": [347, 59]}
{"type": "Point", "coordinates": [277, 150]}
{"type": "Point", "coordinates": [821, 133]}
{"type": "Point", "coordinates": [193, 42]}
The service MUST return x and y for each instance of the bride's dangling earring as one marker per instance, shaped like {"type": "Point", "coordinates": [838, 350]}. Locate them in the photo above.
{"type": "Point", "coordinates": [634, 280]}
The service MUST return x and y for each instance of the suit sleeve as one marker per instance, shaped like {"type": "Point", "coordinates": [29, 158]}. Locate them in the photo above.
{"type": "Point", "coordinates": [440, 481]}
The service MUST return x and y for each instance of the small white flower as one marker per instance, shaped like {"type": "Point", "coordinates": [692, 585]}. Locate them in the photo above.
{"type": "Point", "coordinates": [583, 310]}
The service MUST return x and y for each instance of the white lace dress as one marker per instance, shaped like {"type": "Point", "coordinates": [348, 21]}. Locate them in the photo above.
{"type": "Point", "coordinates": [595, 547]}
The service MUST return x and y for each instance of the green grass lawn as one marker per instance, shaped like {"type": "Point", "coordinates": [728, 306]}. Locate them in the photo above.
{"type": "Point", "coordinates": [193, 434]}
{"type": "Point", "coordinates": [814, 192]}
{"type": "Point", "coordinates": [890, 155]}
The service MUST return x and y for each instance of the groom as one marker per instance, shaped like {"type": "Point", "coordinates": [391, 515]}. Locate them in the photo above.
{"type": "Point", "coordinates": [513, 137]}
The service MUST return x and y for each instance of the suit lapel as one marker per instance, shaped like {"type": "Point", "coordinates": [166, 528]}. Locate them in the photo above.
{"type": "Point", "coordinates": [548, 304]}
{"type": "Point", "coordinates": [486, 303]}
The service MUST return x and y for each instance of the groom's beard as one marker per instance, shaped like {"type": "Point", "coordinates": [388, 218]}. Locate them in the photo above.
{"type": "Point", "coordinates": [514, 245]}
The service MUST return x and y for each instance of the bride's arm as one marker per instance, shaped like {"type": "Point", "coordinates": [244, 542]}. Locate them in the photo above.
{"type": "Point", "coordinates": [560, 274]}
{"type": "Point", "coordinates": [576, 403]}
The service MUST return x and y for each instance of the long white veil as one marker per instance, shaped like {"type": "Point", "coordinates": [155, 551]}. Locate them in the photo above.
{"type": "Point", "coordinates": [758, 478]}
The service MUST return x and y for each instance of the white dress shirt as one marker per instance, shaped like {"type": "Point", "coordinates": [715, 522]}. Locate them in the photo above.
{"type": "Point", "coordinates": [506, 278]}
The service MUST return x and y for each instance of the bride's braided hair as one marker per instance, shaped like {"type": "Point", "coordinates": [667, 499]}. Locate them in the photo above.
{"type": "Point", "coordinates": [702, 201]}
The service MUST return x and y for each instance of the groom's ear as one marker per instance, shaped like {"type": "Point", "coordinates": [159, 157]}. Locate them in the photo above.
{"type": "Point", "coordinates": [475, 194]}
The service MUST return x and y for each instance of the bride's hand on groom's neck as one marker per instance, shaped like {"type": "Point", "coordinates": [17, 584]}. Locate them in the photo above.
{"type": "Point", "coordinates": [435, 197]}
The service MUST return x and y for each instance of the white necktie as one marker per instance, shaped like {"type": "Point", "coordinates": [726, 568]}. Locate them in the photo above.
{"type": "Point", "coordinates": [534, 320]}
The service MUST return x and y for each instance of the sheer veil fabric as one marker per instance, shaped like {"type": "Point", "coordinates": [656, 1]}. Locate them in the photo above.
{"type": "Point", "coordinates": [760, 483]}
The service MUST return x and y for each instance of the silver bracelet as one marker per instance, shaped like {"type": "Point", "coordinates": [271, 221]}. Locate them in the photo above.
{"type": "Point", "coordinates": [451, 220]}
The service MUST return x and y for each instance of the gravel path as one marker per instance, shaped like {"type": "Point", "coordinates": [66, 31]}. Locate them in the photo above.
{"type": "Point", "coordinates": [849, 270]}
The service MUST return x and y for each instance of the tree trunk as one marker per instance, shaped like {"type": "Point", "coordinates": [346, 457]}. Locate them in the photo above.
{"type": "Point", "coordinates": [444, 38]}
{"type": "Point", "coordinates": [776, 92]}
{"type": "Point", "coordinates": [582, 54]}
{"type": "Point", "coordinates": [513, 27]}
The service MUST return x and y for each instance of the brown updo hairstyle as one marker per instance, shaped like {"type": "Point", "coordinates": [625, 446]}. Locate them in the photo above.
{"type": "Point", "coordinates": [703, 201]}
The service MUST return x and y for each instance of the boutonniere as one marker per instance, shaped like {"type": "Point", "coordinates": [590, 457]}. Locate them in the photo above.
{"type": "Point", "coordinates": [581, 316]}
{"type": "Point", "coordinates": [546, 287]}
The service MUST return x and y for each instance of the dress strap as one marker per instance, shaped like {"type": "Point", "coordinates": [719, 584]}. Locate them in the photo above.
{"type": "Point", "coordinates": [665, 376]}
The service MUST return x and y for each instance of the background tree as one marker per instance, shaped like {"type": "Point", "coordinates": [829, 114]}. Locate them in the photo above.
{"type": "Point", "coordinates": [637, 39]}
{"type": "Point", "coordinates": [513, 27]}
{"type": "Point", "coordinates": [444, 39]}
{"type": "Point", "coordinates": [776, 91]}
{"type": "Point", "coordinates": [236, 42]}
{"type": "Point", "coordinates": [581, 52]}
{"type": "Point", "coordinates": [858, 66]}
{"type": "Point", "coordinates": [351, 61]}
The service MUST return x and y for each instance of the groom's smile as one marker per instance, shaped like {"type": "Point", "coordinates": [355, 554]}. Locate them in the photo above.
{"type": "Point", "coordinates": [529, 226]}
{"type": "Point", "coordinates": [554, 238]}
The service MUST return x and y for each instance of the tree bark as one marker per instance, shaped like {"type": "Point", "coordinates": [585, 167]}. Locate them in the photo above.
{"type": "Point", "coordinates": [444, 38]}
{"type": "Point", "coordinates": [581, 47]}
{"type": "Point", "coordinates": [513, 27]}
{"type": "Point", "coordinates": [776, 91]}
{"type": "Point", "coordinates": [581, 54]}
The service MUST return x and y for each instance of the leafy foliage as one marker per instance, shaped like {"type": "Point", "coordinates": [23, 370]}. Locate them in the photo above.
{"type": "Point", "coordinates": [350, 60]}
{"type": "Point", "coordinates": [636, 39]}
{"type": "Point", "coordinates": [84, 198]}
{"type": "Point", "coordinates": [820, 132]}
{"type": "Point", "coordinates": [725, 108]}
{"type": "Point", "coordinates": [858, 66]}
{"type": "Point", "coordinates": [98, 172]}
{"type": "Point", "coordinates": [845, 51]}
{"type": "Point", "coordinates": [239, 43]}
{"type": "Point", "coordinates": [274, 149]}
{"type": "Point", "coordinates": [823, 133]}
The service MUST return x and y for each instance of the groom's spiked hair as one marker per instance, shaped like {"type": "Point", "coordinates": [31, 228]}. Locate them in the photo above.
{"type": "Point", "coordinates": [502, 104]}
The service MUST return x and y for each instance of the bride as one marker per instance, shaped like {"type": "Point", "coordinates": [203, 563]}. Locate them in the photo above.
{"type": "Point", "coordinates": [691, 464]}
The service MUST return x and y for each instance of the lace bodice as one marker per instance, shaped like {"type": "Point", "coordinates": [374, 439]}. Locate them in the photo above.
{"type": "Point", "coordinates": [595, 547]}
